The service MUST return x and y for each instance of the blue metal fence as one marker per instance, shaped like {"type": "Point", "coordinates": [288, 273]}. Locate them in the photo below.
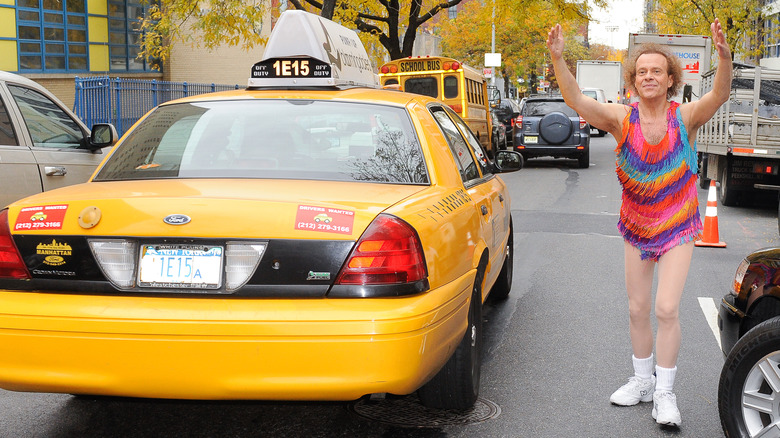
{"type": "Point", "coordinates": [122, 101]}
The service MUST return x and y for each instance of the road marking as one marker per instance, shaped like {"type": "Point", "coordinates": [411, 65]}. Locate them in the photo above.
{"type": "Point", "coordinates": [711, 315]}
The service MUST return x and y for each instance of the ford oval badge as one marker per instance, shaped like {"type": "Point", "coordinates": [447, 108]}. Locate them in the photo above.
{"type": "Point", "coordinates": [176, 219]}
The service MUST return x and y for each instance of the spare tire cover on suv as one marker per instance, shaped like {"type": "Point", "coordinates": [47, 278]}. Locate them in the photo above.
{"type": "Point", "coordinates": [555, 128]}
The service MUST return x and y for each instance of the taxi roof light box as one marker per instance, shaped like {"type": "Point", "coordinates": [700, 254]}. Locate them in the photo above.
{"type": "Point", "coordinates": [307, 50]}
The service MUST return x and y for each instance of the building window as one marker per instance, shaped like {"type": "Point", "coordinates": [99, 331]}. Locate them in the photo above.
{"type": "Point", "coordinates": [771, 42]}
{"type": "Point", "coordinates": [124, 35]}
{"type": "Point", "coordinates": [453, 12]}
{"type": "Point", "coordinates": [52, 35]}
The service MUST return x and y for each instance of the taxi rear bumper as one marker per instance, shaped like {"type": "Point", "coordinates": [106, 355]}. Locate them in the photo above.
{"type": "Point", "coordinates": [263, 349]}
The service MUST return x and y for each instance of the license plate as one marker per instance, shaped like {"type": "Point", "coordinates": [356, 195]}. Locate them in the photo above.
{"type": "Point", "coordinates": [531, 139]}
{"type": "Point", "coordinates": [181, 266]}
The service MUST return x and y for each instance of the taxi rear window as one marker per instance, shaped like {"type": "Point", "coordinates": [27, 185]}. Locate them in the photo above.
{"type": "Point", "coordinates": [285, 139]}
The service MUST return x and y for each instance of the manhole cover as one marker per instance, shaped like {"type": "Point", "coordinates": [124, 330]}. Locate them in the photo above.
{"type": "Point", "coordinates": [409, 412]}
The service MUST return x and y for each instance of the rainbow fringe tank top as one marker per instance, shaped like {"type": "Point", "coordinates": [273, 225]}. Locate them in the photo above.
{"type": "Point", "coordinates": [660, 208]}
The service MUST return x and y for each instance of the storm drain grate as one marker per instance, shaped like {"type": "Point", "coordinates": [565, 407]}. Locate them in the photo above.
{"type": "Point", "coordinates": [409, 412]}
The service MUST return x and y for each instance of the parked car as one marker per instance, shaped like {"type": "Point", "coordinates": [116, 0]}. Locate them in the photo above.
{"type": "Point", "coordinates": [310, 237]}
{"type": "Point", "coordinates": [43, 145]}
{"type": "Point", "coordinates": [600, 96]}
{"type": "Point", "coordinates": [547, 126]}
{"type": "Point", "coordinates": [749, 322]}
{"type": "Point", "coordinates": [499, 132]}
{"type": "Point", "coordinates": [507, 111]}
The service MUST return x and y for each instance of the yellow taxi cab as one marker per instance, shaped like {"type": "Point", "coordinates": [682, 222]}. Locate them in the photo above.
{"type": "Point", "coordinates": [192, 265]}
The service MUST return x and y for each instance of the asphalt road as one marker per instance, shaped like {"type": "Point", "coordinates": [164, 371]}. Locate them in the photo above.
{"type": "Point", "coordinates": [554, 350]}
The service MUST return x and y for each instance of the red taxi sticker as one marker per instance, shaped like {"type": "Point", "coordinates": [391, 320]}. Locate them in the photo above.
{"type": "Point", "coordinates": [42, 217]}
{"type": "Point", "coordinates": [329, 220]}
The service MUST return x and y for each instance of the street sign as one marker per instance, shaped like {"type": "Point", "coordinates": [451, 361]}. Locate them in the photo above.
{"type": "Point", "coordinates": [492, 60]}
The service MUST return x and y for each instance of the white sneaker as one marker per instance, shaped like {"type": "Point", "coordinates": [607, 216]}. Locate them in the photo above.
{"type": "Point", "coordinates": [665, 408]}
{"type": "Point", "coordinates": [637, 389]}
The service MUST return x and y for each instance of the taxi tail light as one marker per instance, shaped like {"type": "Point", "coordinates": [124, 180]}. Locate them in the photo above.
{"type": "Point", "coordinates": [11, 263]}
{"type": "Point", "coordinates": [241, 261]}
{"type": "Point", "coordinates": [388, 252]}
{"type": "Point", "coordinates": [582, 123]}
{"type": "Point", "coordinates": [117, 259]}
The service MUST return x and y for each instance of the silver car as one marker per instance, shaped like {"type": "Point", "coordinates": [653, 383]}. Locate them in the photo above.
{"type": "Point", "coordinates": [43, 145]}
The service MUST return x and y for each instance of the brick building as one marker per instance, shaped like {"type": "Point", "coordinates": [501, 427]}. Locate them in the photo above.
{"type": "Point", "coordinates": [53, 41]}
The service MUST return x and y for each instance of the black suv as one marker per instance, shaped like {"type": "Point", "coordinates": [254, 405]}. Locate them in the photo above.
{"type": "Point", "coordinates": [749, 322]}
{"type": "Point", "coordinates": [547, 126]}
{"type": "Point", "coordinates": [506, 110]}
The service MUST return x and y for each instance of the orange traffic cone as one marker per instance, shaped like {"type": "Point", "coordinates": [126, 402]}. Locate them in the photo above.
{"type": "Point", "coordinates": [710, 236]}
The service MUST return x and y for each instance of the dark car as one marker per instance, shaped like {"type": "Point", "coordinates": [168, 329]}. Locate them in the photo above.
{"type": "Point", "coordinates": [547, 126]}
{"type": "Point", "coordinates": [749, 322]}
{"type": "Point", "coordinates": [500, 134]}
{"type": "Point", "coordinates": [507, 111]}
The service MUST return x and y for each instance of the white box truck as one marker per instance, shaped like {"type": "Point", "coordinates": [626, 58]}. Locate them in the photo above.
{"type": "Point", "coordinates": [606, 75]}
{"type": "Point", "coordinates": [740, 145]}
{"type": "Point", "coordinates": [694, 52]}
{"type": "Point", "coordinates": [602, 80]}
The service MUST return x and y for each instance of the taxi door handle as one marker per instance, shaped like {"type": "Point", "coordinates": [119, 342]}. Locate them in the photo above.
{"type": "Point", "coordinates": [55, 170]}
{"type": "Point", "coordinates": [483, 209]}
{"type": "Point", "coordinates": [501, 197]}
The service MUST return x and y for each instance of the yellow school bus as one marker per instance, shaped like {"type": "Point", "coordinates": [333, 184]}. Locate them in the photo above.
{"type": "Point", "coordinates": [461, 87]}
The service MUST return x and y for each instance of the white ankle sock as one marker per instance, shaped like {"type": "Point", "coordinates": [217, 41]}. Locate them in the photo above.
{"type": "Point", "coordinates": [665, 378]}
{"type": "Point", "coordinates": [643, 368]}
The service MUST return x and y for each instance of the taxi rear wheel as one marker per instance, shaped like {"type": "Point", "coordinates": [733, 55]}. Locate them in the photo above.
{"type": "Point", "coordinates": [456, 385]}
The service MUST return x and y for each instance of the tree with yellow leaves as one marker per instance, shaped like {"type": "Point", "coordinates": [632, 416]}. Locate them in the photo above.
{"type": "Point", "coordinates": [393, 24]}
{"type": "Point", "coordinates": [743, 21]}
{"type": "Point", "coordinates": [520, 33]}
{"type": "Point", "coordinates": [231, 22]}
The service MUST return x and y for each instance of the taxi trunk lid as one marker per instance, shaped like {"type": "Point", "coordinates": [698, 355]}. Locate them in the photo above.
{"type": "Point", "coordinates": [236, 208]}
{"type": "Point", "coordinates": [308, 229]}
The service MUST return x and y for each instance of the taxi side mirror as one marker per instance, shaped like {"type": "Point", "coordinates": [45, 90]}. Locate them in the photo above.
{"type": "Point", "coordinates": [508, 161]}
{"type": "Point", "coordinates": [102, 135]}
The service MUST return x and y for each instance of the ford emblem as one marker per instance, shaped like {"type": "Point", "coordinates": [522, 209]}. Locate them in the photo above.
{"type": "Point", "coordinates": [177, 219]}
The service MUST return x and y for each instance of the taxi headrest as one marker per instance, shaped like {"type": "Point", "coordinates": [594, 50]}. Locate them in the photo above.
{"type": "Point", "coordinates": [306, 50]}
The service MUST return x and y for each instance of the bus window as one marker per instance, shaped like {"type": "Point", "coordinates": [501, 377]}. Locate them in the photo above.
{"type": "Point", "coordinates": [450, 87]}
{"type": "Point", "coordinates": [391, 82]}
{"type": "Point", "coordinates": [425, 86]}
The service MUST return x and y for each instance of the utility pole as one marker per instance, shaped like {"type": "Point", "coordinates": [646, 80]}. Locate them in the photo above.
{"type": "Point", "coordinates": [493, 43]}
